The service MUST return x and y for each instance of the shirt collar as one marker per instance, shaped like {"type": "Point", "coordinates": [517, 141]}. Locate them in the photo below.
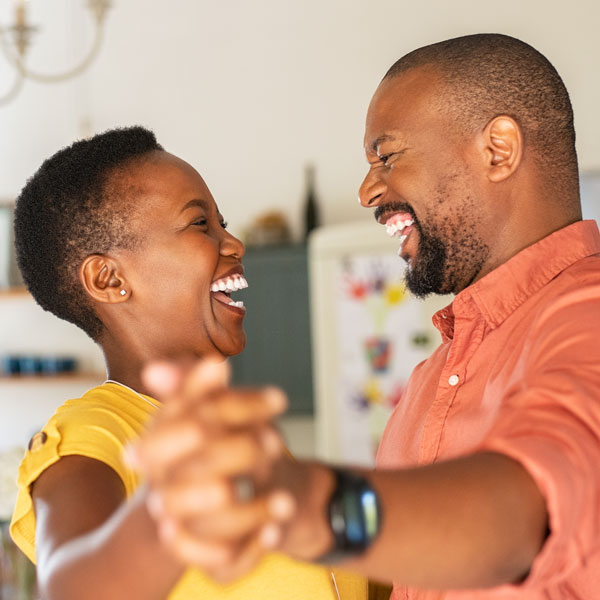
{"type": "Point", "coordinates": [501, 292]}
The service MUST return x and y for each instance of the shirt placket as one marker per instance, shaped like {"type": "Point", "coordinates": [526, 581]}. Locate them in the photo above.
{"type": "Point", "coordinates": [469, 328]}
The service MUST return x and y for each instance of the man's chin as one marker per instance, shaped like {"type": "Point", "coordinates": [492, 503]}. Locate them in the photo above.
{"type": "Point", "coordinates": [422, 283]}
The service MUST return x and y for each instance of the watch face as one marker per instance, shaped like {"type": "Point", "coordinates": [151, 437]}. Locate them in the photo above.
{"type": "Point", "coordinates": [354, 516]}
{"type": "Point", "coordinates": [361, 515]}
{"type": "Point", "coordinates": [371, 513]}
{"type": "Point", "coordinates": [354, 511]}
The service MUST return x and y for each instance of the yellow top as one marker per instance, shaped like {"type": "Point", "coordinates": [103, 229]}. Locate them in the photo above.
{"type": "Point", "coordinates": [98, 425]}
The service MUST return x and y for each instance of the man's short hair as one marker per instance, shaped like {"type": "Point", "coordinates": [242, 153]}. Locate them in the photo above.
{"type": "Point", "coordinates": [491, 74]}
{"type": "Point", "coordinates": [72, 208]}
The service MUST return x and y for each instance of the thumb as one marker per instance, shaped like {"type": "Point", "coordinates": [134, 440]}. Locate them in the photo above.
{"type": "Point", "coordinates": [177, 384]}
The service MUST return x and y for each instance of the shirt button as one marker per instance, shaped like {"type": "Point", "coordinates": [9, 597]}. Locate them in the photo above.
{"type": "Point", "coordinates": [453, 379]}
{"type": "Point", "coordinates": [37, 441]}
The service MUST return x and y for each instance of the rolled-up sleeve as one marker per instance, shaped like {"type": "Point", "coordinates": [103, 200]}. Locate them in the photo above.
{"type": "Point", "coordinates": [550, 422]}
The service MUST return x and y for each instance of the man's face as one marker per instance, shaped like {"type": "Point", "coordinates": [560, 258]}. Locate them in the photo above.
{"type": "Point", "coordinates": [424, 185]}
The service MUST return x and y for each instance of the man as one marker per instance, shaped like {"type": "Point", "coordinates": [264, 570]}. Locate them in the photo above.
{"type": "Point", "coordinates": [487, 476]}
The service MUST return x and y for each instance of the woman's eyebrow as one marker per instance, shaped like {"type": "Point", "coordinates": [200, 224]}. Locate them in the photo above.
{"type": "Point", "coordinates": [195, 203]}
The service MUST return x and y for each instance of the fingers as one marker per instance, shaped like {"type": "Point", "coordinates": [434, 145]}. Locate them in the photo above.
{"type": "Point", "coordinates": [223, 562]}
{"type": "Point", "coordinates": [169, 443]}
{"type": "Point", "coordinates": [191, 550]}
{"type": "Point", "coordinates": [188, 499]}
{"type": "Point", "coordinates": [227, 456]}
{"type": "Point", "coordinates": [181, 451]}
{"type": "Point", "coordinates": [205, 377]}
{"type": "Point", "coordinates": [216, 514]}
{"type": "Point", "coordinates": [248, 556]}
{"type": "Point", "coordinates": [243, 407]}
{"type": "Point", "coordinates": [178, 384]}
{"type": "Point", "coordinates": [204, 388]}
{"type": "Point", "coordinates": [228, 543]}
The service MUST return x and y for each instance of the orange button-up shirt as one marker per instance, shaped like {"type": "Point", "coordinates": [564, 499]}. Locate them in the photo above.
{"type": "Point", "coordinates": [518, 372]}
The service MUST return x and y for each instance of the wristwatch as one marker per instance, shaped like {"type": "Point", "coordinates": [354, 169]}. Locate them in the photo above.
{"type": "Point", "coordinates": [354, 515]}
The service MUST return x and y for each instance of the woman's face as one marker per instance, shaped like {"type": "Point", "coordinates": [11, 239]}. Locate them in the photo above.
{"type": "Point", "coordinates": [184, 252]}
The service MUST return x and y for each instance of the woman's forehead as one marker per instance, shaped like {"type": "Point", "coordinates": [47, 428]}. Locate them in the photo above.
{"type": "Point", "coordinates": [168, 181]}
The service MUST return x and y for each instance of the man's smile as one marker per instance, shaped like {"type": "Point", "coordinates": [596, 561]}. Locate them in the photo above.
{"type": "Point", "coordinates": [399, 226]}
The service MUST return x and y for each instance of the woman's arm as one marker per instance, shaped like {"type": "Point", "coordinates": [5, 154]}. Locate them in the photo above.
{"type": "Point", "coordinates": [91, 542]}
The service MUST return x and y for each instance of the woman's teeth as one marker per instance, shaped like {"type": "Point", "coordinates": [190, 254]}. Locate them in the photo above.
{"type": "Point", "coordinates": [229, 284]}
{"type": "Point", "coordinates": [221, 288]}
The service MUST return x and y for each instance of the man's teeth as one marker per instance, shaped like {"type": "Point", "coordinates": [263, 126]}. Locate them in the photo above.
{"type": "Point", "coordinates": [395, 229]}
{"type": "Point", "coordinates": [402, 240]}
{"type": "Point", "coordinates": [229, 284]}
{"type": "Point", "coordinates": [239, 304]}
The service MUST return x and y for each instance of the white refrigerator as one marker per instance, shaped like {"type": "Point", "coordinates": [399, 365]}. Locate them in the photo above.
{"type": "Point", "coordinates": [368, 333]}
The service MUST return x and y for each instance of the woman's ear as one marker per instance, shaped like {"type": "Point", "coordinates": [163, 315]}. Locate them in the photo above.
{"type": "Point", "coordinates": [101, 279]}
{"type": "Point", "coordinates": [504, 147]}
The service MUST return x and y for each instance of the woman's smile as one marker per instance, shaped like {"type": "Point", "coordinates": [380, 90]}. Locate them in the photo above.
{"type": "Point", "coordinates": [222, 288]}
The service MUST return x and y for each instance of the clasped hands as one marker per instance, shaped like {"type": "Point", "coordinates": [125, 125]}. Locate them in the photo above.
{"type": "Point", "coordinates": [221, 487]}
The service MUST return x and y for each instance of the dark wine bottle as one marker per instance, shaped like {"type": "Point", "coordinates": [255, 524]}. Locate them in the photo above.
{"type": "Point", "coordinates": [311, 208]}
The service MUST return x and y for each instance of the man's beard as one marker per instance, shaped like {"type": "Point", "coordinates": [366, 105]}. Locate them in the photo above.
{"type": "Point", "coordinates": [449, 255]}
{"type": "Point", "coordinates": [445, 267]}
{"type": "Point", "coordinates": [425, 275]}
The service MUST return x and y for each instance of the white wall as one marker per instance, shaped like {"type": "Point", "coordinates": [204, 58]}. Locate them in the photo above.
{"type": "Point", "coordinates": [248, 91]}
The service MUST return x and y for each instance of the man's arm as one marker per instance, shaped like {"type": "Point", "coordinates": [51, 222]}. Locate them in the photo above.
{"type": "Point", "coordinates": [477, 521]}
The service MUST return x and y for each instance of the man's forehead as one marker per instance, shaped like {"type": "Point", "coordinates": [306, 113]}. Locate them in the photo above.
{"type": "Point", "coordinates": [398, 102]}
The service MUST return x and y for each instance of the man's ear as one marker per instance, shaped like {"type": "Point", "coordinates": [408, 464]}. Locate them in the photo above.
{"type": "Point", "coordinates": [503, 146]}
{"type": "Point", "coordinates": [102, 280]}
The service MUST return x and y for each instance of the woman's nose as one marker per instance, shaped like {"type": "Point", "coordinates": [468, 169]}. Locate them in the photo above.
{"type": "Point", "coordinates": [371, 190]}
{"type": "Point", "coordinates": [231, 246]}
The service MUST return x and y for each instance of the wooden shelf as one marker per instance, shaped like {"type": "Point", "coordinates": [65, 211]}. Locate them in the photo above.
{"type": "Point", "coordinates": [14, 292]}
{"type": "Point", "coordinates": [52, 379]}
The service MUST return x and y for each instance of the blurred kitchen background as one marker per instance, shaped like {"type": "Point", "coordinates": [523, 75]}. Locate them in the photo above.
{"type": "Point", "coordinates": [267, 99]}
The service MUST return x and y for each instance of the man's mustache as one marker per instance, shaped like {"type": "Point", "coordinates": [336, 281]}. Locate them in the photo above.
{"type": "Point", "coordinates": [394, 207]}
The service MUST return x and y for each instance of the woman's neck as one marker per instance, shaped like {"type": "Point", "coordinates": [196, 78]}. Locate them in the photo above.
{"type": "Point", "coordinates": [124, 364]}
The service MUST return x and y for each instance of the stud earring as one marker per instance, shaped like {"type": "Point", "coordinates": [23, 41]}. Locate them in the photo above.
{"type": "Point", "coordinates": [122, 292]}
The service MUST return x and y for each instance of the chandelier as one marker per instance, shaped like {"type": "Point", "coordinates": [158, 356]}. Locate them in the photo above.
{"type": "Point", "coordinates": [16, 39]}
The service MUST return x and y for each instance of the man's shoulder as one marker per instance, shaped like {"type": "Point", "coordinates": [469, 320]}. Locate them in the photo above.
{"type": "Point", "coordinates": [575, 286]}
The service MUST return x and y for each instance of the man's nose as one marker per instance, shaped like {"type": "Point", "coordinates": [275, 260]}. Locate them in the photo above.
{"type": "Point", "coordinates": [371, 190]}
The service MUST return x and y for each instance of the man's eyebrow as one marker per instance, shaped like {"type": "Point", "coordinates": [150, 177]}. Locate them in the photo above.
{"type": "Point", "coordinates": [378, 141]}
{"type": "Point", "coordinates": [194, 203]}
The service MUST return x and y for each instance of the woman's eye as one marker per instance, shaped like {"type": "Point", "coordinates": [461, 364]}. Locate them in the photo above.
{"type": "Point", "coordinates": [224, 224]}
{"type": "Point", "coordinates": [200, 222]}
{"type": "Point", "coordinates": [383, 159]}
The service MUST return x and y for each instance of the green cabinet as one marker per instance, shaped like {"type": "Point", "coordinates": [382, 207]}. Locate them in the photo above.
{"type": "Point", "coordinates": [277, 324]}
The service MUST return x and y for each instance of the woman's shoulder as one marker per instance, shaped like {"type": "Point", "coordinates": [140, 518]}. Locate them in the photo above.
{"type": "Point", "coordinates": [97, 425]}
{"type": "Point", "coordinates": [105, 406]}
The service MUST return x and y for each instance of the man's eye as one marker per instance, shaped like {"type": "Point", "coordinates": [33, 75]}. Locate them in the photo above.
{"type": "Point", "coordinates": [200, 222]}
{"type": "Point", "coordinates": [383, 159]}
{"type": "Point", "coordinates": [224, 224]}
